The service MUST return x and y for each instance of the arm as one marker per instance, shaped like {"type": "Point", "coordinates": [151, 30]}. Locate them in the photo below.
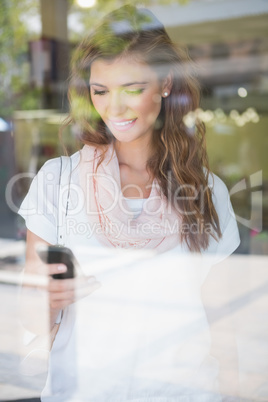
{"type": "Point", "coordinates": [217, 296]}
{"type": "Point", "coordinates": [52, 294]}
{"type": "Point", "coordinates": [34, 266]}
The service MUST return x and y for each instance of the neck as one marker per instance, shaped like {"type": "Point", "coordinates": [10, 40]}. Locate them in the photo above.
{"type": "Point", "coordinates": [134, 154]}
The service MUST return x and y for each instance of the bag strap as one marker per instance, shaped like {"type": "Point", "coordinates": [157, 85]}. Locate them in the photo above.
{"type": "Point", "coordinates": [64, 196]}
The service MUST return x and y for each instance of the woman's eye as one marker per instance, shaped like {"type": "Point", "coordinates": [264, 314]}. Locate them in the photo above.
{"type": "Point", "coordinates": [127, 91]}
{"type": "Point", "coordinates": [134, 91]}
{"type": "Point", "coordinates": [99, 92]}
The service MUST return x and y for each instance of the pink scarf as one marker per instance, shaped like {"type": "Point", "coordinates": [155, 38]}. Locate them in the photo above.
{"type": "Point", "coordinates": [157, 227]}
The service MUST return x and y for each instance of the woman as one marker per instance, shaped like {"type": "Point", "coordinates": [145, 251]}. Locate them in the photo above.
{"type": "Point", "coordinates": [141, 181]}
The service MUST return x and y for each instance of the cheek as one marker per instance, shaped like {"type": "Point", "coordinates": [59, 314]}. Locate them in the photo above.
{"type": "Point", "coordinates": [151, 104]}
{"type": "Point", "coordinates": [148, 103]}
{"type": "Point", "coordinates": [98, 104]}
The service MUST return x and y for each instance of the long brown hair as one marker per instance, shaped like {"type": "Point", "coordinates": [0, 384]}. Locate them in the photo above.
{"type": "Point", "coordinates": [179, 161]}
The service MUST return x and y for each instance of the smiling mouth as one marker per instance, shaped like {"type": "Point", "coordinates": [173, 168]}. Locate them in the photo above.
{"type": "Point", "coordinates": [123, 123]}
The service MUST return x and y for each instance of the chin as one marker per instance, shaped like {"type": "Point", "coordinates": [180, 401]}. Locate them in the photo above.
{"type": "Point", "coordinates": [124, 139]}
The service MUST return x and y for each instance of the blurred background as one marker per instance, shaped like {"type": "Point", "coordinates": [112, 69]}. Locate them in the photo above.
{"type": "Point", "coordinates": [228, 41]}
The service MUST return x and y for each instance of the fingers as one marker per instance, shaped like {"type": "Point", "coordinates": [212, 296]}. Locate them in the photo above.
{"type": "Point", "coordinates": [40, 268]}
{"type": "Point", "coordinates": [53, 269]}
{"type": "Point", "coordinates": [67, 291]}
{"type": "Point", "coordinates": [61, 300]}
{"type": "Point", "coordinates": [57, 285]}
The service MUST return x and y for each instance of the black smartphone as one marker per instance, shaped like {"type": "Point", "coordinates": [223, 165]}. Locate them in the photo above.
{"type": "Point", "coordinates": [58, 255]}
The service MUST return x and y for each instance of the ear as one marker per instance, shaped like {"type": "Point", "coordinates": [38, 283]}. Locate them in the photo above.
{"type": "Point", "coordinates": [167, 85]}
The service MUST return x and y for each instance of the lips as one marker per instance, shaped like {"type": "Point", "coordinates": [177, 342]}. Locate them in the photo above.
{"type": "Point", "coordinates": [123, 125]}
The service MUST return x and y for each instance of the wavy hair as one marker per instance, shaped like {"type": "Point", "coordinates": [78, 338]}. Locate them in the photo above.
{"type": "Point", "coordinates": [179, 161]}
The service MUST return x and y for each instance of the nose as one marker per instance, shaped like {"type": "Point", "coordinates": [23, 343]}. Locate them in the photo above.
{"type": "Point", "coordinates": [116, 104]}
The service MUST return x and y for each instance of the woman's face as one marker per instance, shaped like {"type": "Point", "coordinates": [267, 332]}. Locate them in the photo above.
{"type": "Point", "coordinates": [127, 96]}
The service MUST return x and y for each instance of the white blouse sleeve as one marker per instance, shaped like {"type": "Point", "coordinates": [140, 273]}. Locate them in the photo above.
{"type": "Point", "coordinates": [39, 207]}
{"type": "Point", "coordinates": [230, 239]}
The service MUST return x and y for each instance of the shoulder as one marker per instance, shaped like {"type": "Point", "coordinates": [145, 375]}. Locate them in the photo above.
{"type": "Point", "coordinates": [56, 162]}
{"type": "Point", "coordinates": [218, 187]}
{"type": "Point", "coordinates": [221, 201]}
{"type": "Point", "coordinates": [220, 196]}
{"type": "Point", "coordinates": [76, 157]}
{"type": "Point", "coordinates": [230, 236]}
{"type": "Point", "coordinates": [51, 168]}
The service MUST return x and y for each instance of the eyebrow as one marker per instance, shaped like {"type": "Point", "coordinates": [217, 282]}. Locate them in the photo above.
{"type": "Point", "coordinates": [127, 84]}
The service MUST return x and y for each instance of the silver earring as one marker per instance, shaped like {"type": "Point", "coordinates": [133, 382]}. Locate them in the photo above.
{"type": "Point", "coordinates": [166, 94]}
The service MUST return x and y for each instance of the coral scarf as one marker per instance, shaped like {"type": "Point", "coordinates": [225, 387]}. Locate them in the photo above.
{"type": "Point", "coordinates": [157, 227]}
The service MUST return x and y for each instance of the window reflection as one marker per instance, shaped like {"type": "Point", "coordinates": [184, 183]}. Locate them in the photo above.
{"type": "Point", "coordinates": [230, 55]}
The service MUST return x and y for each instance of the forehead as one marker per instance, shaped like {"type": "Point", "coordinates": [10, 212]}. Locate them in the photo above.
{"type": "Point", "coordinates": [120, 71]}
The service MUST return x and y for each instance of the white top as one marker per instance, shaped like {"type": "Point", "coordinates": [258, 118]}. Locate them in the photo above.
{"type": "Point", "coordinates": [135, 205]}
{"type": "Point", "coordinates": [143, 336]}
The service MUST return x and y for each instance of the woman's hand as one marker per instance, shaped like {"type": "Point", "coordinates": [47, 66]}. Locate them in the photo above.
{"type": "Point", "coordinates": [63, 292]}
{"type": "Point", "coordinates": [60, 293]}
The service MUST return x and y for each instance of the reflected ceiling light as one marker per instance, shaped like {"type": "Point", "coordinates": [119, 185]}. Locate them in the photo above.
{"type": "Point", "coordinates": [234, 114]}
{"type": "Point", "coordinates": [250, 115]}
{"type": "Point", "coordinates": [218, 116]}
{"type": "Point", "coordinates": [86, 3]}
{"type": "Point", "coordinates": [242, 92]}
